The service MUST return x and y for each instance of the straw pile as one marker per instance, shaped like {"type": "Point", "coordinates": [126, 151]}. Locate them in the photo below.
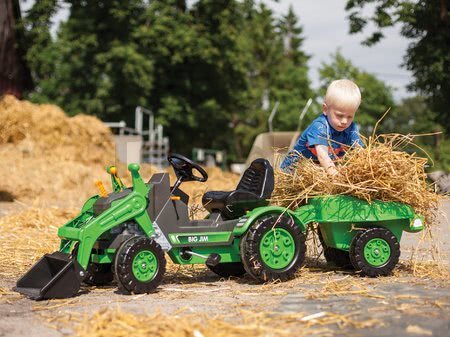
{"type": "Point", "coordinates": [47, 155]}
{"type": "Point", "coordinates": [379, 171]}
{"type": "Point", "coordinates": [45, 130]}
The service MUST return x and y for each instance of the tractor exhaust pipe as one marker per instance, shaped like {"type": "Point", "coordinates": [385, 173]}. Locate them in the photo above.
{"type": "Point", "coordinates": [55, 275]}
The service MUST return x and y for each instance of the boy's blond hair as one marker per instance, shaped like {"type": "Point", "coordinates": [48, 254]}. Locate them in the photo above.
{"type": "Point", "coordinates": [343, 94]}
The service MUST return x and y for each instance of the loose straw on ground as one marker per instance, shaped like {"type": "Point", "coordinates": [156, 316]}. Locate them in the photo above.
{"type": "Point", "coordinates": [115, 323]}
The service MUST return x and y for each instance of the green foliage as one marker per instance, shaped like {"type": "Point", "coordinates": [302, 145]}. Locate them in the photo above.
{"type": "Point", "coordinates": [411, 116]}
{"type": "Point", "coordinates": [38, 41]}
{"type": "Point", "coordinates": [213, 71]}
{"type": "Point", "coordinates": [204, 71]}
{"type": "Point", "coordinates": [427, 25]}
{"type": "Point", "coordinates": [376, 96]}
{"type": "Point", "coordinates": [414, 116]}
{"type": "Point", "coordinates": [99, 67]}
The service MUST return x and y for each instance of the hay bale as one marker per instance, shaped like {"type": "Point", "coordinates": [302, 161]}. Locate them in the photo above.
{"type": "Point", "coordinates": [379, 171]}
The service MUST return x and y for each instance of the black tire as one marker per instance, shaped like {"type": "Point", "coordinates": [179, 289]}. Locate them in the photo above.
{"type": "Point", "coordinates": [98, 274]}
{"type": "Point", "coordinates": [360, 261]}
{"type": "Point", "coordinates": [251, 255]}
{"type": "Point", "coordinates": [338, 257]}
{"type": "Point", "coordinates": [127, 281]}
{"type": "Point", "coordinates": [235, 269]}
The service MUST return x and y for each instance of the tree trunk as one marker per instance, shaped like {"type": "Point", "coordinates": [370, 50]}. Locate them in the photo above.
{"type": "Point", "coordinates": [444, 11]}
{"type": "Point", "coordinates": [15, 77]}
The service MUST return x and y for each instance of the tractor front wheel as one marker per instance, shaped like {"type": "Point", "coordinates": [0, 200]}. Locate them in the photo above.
{"type": "Point", "coordinates": [98, 274]}
{"type": "Point", "coordinates": [273, 249]}
{"type": "Point", "coordinates": [375, 252]}
{"type": "Point", "coordinates": [139, 265]}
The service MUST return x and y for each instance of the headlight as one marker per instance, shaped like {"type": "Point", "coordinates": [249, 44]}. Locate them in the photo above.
{"type": "Point", "coordinates": [417, 224]}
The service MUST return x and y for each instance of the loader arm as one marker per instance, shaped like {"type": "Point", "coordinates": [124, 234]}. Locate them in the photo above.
{"type": "Point", "coordinates": [131, 207]}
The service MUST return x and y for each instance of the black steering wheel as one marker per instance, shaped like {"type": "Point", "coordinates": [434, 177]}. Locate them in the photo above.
{"type": "Point", "coordinates": [184, 167]}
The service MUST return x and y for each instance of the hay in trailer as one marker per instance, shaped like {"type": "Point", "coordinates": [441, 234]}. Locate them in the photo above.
{"type": "Point", "coordinates": [381, 170]}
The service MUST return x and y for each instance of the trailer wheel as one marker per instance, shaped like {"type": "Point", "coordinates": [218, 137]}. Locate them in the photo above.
{"type": "Point", "coordinates": [139, 265]}
{"type": "Point", "coordinates": [98, 274]}
{"type": "Point", "coordinates": [375, 252]}
{"type": "Point", "coordinates": [338, 257]}
{"type": "Point", "coordinates": [235, 269]}
{"type": "Point", "coordinates": [273, 249]}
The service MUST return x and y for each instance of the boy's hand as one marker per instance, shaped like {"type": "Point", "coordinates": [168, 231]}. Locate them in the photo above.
{"type": "Point", "coordinates": [331, 170]}
{"type": "Point", "coordinates": [325, 160]}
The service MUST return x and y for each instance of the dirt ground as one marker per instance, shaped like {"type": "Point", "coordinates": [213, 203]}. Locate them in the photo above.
{"type": "Point", "coordinates": [401, 305]}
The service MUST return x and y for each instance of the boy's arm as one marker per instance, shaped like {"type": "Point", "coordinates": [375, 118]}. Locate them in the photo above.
{"type": "Point", "coordinates": [325, 160]}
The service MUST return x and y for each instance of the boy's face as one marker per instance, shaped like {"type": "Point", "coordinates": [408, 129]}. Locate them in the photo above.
{"type": "Point", "coordinates": [339, 118]}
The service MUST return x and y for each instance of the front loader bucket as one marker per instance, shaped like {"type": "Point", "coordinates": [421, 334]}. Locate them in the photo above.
{"type": "Point", "coordinates": [55, 275]}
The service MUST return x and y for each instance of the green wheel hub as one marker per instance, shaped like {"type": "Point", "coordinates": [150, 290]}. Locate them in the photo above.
{"type": "Point", "coordinates": [145, 266]}
{"type": "Point", "coordinates": [277, 248]}
{"type": "Point", "coordinates": [377, 252]}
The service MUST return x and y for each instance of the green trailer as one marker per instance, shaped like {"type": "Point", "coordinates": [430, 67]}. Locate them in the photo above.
{"type": "Point", "coordinates": [354, 233]}
{"type": "Point", "coordinates": [126, 235]}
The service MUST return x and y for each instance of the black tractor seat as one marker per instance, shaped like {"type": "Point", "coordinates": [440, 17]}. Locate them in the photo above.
{"type": "Point", "coordinates": [253, 190]}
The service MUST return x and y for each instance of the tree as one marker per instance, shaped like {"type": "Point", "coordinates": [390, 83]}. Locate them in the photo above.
{"type": "Point", "coordinates": [427, 25]}
{"type": "Point", "coordinates": [35, 27]}
{"type": "Point", "coordinates": [376, 96]}
{"type": "Point", "coordinates": [277, 71]}
{"type": "Point", "coordinates": [96, 65]}
{"type": "Point", "coordinates": [291, 85]}
{"type": "Point", "coordinates": [414, 116]}
{"type": "Point", "coordinates": [15, 77]}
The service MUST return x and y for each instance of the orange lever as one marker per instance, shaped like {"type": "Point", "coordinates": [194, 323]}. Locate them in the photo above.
{"type": "Point", "coordinates": [101, 188]}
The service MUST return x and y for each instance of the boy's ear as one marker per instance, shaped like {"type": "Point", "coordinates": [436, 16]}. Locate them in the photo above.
{"type": "Point", "coordinates": [324, 109]}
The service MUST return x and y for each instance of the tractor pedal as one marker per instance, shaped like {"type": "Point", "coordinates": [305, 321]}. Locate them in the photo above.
{"type": "Point", "coordinates": [213, 260]}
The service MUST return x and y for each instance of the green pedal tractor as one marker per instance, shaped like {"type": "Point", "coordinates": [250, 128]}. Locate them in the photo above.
{"type": "Point", "coordinates": [126, 234]}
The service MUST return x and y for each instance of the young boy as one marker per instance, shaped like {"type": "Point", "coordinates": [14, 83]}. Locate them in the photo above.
{"type": "Point", "coordinates": [331, 134]}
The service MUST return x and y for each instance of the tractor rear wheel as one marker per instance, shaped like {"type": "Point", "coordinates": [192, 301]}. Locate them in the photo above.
{"type": "Point", "coordinates": [375, 252]}
{"type": "Point", "coordinates": [139, 265]}
{"type": "Point", "coordinates": [235, 269]}
{"type": "Point", "coordinates": [273, 249]}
